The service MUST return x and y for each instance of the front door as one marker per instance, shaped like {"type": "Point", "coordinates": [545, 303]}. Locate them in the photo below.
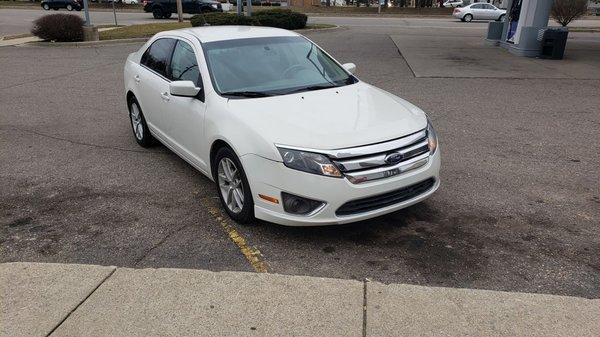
{"type": "Point", "coordinates": [187, 113]}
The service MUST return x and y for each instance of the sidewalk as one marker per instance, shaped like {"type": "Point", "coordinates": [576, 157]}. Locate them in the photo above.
{"type": "Point", "coordinates": [84, 300]}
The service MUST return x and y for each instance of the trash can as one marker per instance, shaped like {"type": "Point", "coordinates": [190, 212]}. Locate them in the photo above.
{"type": "Point", "coordinates": [553, 43]}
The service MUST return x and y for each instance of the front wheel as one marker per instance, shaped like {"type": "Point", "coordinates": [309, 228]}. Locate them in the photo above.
{"type": "Point", "coordinates": [502, 18]}
{"type": "Point", "coordinates": [69, 7]}
{"type": "Point", "coordinates": [167, 15]}
{"type": "Point", "coordinates": [468, 18]}
{"type": "Point", "coordinates": [234, 190]}
{"type": "Point", "coordinates": [46, 7]}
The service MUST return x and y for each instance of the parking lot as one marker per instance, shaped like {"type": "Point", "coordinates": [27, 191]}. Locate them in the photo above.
{"type": "Point", "coordinates": [518, 209]}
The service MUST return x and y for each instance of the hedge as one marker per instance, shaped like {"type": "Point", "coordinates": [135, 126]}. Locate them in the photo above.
{"type": "Point", "coordinates": [59, 27]}
{"type": "Point", "coordinates": [279, 18]}
{"type": "Point", "coordinates": [222, 19]}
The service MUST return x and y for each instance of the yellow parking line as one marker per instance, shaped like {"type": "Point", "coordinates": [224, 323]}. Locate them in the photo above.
{"type": "Point", "coordinates": [251, 254]}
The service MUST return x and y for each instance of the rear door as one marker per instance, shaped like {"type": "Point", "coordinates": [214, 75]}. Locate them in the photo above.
{"type": "Point", "coordinates": [477, 11]}
{"type": "Point", "coordinates": [153, 84]}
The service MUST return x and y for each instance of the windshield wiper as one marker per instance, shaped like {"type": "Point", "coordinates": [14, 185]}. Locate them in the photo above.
{"type": "Point", "coordinates": [246, 93]}
{"type": "Point", "coordinates": [313, 87]}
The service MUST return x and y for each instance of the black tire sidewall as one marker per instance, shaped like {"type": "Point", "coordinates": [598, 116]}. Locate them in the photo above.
{"type": "Point", "coordinates": [157, 13]}
{"type": "Point", "coordinates": [247, 213]}
{"type": "Point", "coordinates": [147, 139]}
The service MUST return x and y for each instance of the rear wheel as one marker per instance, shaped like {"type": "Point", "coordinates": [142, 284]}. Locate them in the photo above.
{"type": "Point", "coordinates": [167, 15]}
{"type": "Point", "coordinates": [69, 7]}
{"type": "Point", "coordinates": [46, 7]}
{"type": "Point", "coordinates": [138, 124]}
{"type": "Point", "coordinates": [157, 13]}
{"type": "Point", "coordinates": [502, 18]}
{"type": "Point", "coordinates": [468, 18]}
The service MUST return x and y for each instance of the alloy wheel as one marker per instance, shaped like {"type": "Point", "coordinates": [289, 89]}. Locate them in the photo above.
{"type": "Point", "coordinates": [230, 184]}
{"type": "Point", "coordinates": [136, 122]}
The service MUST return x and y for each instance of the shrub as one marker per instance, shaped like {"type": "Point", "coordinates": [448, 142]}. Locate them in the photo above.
{"type": "Point", "coordinates": [222, 19]}
{"type": "Point", "coordinates": [198, 20]}
{"type": "Point", "coordinates": [59, 27]}
{"type": "Point", "coordinates": [281, 18]}
{"type": "Point", "coordinates": [565, 11]}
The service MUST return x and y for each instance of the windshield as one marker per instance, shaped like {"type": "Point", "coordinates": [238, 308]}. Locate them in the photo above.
{"type": "Point", "coordinates": [258, 67]}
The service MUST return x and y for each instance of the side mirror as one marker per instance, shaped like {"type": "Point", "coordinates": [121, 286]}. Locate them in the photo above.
{"type": "Point", "coordinates": [350, 67]}
{"type": "Point", "coordinates": [184, 88]}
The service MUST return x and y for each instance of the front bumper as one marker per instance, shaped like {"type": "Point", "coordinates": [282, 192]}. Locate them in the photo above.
{"type": "Point", "coordinates": [270, 178]}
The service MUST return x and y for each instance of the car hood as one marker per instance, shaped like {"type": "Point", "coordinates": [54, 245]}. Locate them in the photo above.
{"type": "Point", "coordinates": [348, 116]}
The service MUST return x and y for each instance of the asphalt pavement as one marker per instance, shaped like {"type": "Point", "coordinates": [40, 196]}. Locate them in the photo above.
{"type": "Point", "coordinates": [518, 208]}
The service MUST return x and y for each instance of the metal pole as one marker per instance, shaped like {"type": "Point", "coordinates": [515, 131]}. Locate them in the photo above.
{"type": "Point", "coordinates": [179, 11]}
{"type": "Point", "coordinates": [249, 7]}
{"type": "Point", "coordinates": [114, 12]}
{"type": "Point", "coordinates": [86, 10]}
{"type": "Point", "coordinates": [240, 7]}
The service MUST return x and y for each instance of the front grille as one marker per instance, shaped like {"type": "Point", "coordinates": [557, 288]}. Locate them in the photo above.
{"type": "Point", "coordinates": [386, 199]}
{"type": "Point", "coordinates": [384, 160]}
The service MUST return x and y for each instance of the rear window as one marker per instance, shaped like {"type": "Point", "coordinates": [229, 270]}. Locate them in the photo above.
{"type": "Point", "coordinates": [158, 54]}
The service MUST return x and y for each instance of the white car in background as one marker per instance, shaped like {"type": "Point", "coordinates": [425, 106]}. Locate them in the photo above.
{"type": "Point", "coordinates": [288, 134]}
{"type": "Point", "coordinates": [453, 3]}
{"type": "Point", "coordinates": [479, 11]}
{"type": "Point", "coordinates": [131, 2]}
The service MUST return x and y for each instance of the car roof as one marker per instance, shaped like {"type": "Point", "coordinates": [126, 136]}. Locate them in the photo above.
{"type": "Point", "coordinates": [222, 33]}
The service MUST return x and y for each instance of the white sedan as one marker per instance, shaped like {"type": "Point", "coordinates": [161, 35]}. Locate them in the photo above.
{"type": "Point", "coordinates": [453, 3]}
{"type": "Point", "coordinates": [288, 134]}
{"type": "Point", "coordinates": [479, 11]}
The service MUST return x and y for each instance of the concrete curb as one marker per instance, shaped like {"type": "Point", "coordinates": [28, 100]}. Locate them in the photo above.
{"type": "Point", "coordinates": [88, 43]}
{"type": "Point", "coordinates": [40, 299]}
{"type": "Point", "coordinates": [137, 39]}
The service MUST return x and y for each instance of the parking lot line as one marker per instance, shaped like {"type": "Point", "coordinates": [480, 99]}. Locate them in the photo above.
{"type": "Point", "coordinates": [251, 254]}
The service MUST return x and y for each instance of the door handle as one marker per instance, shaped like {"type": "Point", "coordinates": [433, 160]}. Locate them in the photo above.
{"type": "Point", "coordinates": [137, 78]}
{"type": "Point", "coordinates": [165, 96]}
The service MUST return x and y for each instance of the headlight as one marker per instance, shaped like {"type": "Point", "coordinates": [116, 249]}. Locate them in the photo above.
{"type": "Point", "coordinates": [431, 137]}
{"type": "Point", "coordinates": [309, 162]}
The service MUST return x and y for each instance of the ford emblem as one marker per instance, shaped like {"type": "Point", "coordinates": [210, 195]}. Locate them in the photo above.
{"type": "Point", "coordinates": [393, 158]}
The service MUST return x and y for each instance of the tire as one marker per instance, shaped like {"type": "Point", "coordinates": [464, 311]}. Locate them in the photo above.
{"type": "Point", "coordinates": [167, 15]}
{"type": "Point", "coordinates": [69, 8]}
{"type": "Point", "coordinates": [501, 18]}
{"type": "Point", "coordinates": [468, 18]}
{"type": "Point", "coordinates": [46, 7]}
{"type": "Point", "coordinates": [157, 13]}
{"type": "Point", "coordinates": [141, 133]}
{"type": "Point", "coordinates": [229, 184]}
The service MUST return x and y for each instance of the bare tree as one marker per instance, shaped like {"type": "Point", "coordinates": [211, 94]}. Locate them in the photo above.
{"type": "Point", "coordinates": [565, 11]}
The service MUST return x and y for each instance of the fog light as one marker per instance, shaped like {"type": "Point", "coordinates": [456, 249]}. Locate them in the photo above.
{"type": "Point", "coordinates": [299, 205]}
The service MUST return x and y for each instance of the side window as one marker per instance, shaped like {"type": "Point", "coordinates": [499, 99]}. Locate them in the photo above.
{"type": "Point", "coordinates": [184, 65]}
{"type": "Point", "coordinates": [157, 55]}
